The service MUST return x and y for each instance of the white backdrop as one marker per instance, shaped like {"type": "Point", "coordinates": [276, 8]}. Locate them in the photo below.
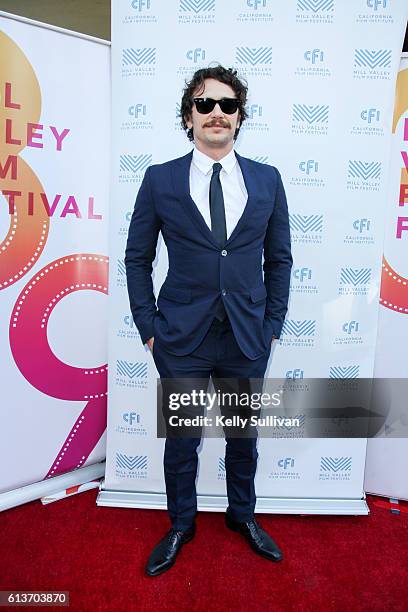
{"type": "Point", "coordinates": [53, 265]}
{"type": "Point", "coordinates": [321, 77]}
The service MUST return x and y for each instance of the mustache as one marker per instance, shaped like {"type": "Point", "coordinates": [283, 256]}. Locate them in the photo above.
{"type": "Point", "coordinates": [217, 123]}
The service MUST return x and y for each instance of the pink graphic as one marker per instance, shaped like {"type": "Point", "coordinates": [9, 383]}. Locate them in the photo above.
{"type": "Point", "coordinates": [394, 289]}
{"type": "Point", "coordinates": [47, 373]}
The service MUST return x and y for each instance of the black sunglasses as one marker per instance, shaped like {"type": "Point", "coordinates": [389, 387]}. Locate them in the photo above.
{"type": "Point", "coordinates": [206, 105]}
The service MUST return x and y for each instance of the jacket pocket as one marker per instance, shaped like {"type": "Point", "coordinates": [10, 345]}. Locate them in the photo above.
{"type": "Point", "coordinates": [176, 295]}
{"type": "Point", "coordinates": [258, 294]}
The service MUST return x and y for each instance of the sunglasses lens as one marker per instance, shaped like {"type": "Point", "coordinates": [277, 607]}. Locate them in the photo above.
{"type": "Point", "coordinates": [204, 105]}
{"type": "Point", "coordinates": [228, 105]}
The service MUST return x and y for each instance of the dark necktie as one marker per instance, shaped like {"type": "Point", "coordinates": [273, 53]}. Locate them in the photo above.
{"type": "Point", "coordinates": [217, 210]}
{"type": "Point", "coordinates": [218, 223]}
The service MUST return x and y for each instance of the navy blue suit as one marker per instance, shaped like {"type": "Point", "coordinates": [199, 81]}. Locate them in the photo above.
{"type": "Point", "coordinates": [188, 341]}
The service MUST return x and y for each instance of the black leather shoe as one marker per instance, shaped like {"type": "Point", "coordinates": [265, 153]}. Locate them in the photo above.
{"type": "Point", "coordinates": [164, 554]}
{"type": "Point", "coordinates": [260, 541]}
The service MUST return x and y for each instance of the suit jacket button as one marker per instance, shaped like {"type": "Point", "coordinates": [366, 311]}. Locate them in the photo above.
{"type": "Point", "coordinates": [224, 253]}
{"type": "Point", "coordinates": [224, 292]}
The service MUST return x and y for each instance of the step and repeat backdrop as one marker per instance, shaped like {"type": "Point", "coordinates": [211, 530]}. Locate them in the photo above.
{"type": "Point", "coordinates": [321, 76]}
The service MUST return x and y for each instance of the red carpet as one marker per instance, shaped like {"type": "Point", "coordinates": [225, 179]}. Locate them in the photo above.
{"type": "Point", "coordinates": [98, 554]}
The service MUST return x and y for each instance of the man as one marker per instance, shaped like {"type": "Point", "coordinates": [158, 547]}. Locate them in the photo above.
{"type": "Point", "coordinates": [217, 316]}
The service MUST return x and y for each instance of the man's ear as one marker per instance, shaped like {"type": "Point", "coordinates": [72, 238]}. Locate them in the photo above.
{"type": "Point", "coordinates": [188, 121]}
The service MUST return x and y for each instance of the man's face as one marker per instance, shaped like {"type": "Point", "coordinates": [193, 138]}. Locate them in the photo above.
{"type": "Point", "coordinates": [215, 129]}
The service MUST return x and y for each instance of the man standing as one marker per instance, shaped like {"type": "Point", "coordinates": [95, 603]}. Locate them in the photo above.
{"type": "Point", "coordinates": [216, 314]}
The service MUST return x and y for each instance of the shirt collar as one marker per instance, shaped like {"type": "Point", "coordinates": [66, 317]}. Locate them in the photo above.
{"type": "Point", "coordinates": [205, 163]}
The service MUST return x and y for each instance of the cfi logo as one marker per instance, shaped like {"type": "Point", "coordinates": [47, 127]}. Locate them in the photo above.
{"type": "Point", "coordinates": [137, 57]}
{"type": "Point", "coordinates": [286, 462]}
{"type": "Point", "coordinates": [295, 374]}
{"type": "Point", "coordinates": [131, 370]}
{"type": "Point", "coordinates": [197, 6]}
{"type": "Point", "coordinates": [364, 58]}
{"type": "Point", "coordinates": [131, 417]}
{"type": "Point", "coordinates": [370, 115]}
{"type": "Point", "coordinates": [306, 223]}
{"type": "Point", "coordinates": [128, 320]}
{"type": "Point", "coordinates": [302, 274]}
{"type": "Point", "coordinates": [314, 56]}
{"type": "Point", "coordinates": [364, 170]}
{"type": "Point", "coordinates": [136, 110]}
{"type": "Point", "coordinates": [362, 225]}
{"type": "Point", "coordinates": [140, 5]}
{"type": "Point", "coordinates": [318, 113]}
{"type": "Point", "coordinates": [355, 276]}
{"type": "Point", "coordinates": [307, 327]}
{"type": "Point", "coordinates": [253, 56]}
{"type": "Point", "coordinates": [254, 110]}
{"type": "Point", "coordinates": [335, 464]}
{"type": "Point", "coordinates": [195, 55]}
{"type": "Point", "coordinates": [309, 166]}
{"type": "Point", "coordinates": [255, 4]}
{"type": "Point", "coordinates": [344, 371]}
{"type": "Point", "coordinates": [350, 326]}
{"type": "Point", "coordinates": [315, 6]}
{"type": "Point", "coordinates": [376, 4]}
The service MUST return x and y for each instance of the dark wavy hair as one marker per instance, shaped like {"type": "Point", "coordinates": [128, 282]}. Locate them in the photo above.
{"type": "Point", "coordinates": [229, 76]}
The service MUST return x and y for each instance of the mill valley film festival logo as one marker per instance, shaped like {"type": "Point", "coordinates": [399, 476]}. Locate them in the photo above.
{"type": "Point", "coordinates": [221, 475]}
{"type": "Point", "coordinates": [315, 11]}
{"type": "Point", "coordinates": [298, 333]}
{"type": "Point", "coordinates": [335, 468]}
{"type": "Point", "coordinates": [196, 11]}
{"type": "Point", "coordinates": [131, 374]}
{"type": "Point", "coordinates": [253, 11]}
{"type": "Point", "coordinates": [363, 176]}
{"type": "Point", "coordinates": [254, 61]}
{"type": "Point", "coordinates": [351, 371]}
{"type": "Point", "coordinates": [306, 229]}
{"type": "Point", "coordinates": [368, 122]}
{"type": "Point", "coordinates": [312, 64]}
{"type": "Point", "coordinates": [354, 281]}
{"type": "Point", "coordinates": [138, 62]}
{"type": "Point", "coordinates": [284, 469]}
{"type": "Point", "coordinates": [373, 65]}
{"type": "Point", "coordinates": [140, 12]}
{"type": "Point", "coordinates": [309, 119]}
{"type": "Point", "coordinates": [374, 12]}
{"type": "Point", "coordinates": [121, 273]}
{"type": "Point", "coordinates": [308, 175]}
{"type": "Point", "coordinates": [133, 167]}
{"type": "Point", "coordinates": [131, 466]}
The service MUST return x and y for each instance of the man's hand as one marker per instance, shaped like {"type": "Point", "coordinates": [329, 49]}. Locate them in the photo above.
{"type": "Point", "coordinates": [273, 338]}
{"type": "Point", "coordinates": [150, 343]}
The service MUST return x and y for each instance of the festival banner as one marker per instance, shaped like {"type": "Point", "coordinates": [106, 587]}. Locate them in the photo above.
{"type": "Point", "coordinates": [54, 166]}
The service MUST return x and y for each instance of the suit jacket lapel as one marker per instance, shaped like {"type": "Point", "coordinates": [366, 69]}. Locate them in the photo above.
{"type": "Point", "coordinates": [181, 184]}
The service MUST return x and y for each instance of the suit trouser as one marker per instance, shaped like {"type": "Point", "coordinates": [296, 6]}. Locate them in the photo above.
{"type": "Point", "coordinates": [218, 356]}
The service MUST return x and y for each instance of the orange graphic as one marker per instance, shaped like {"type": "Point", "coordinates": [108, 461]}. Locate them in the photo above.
{"type": "Point", "coordinates": [27, 234]}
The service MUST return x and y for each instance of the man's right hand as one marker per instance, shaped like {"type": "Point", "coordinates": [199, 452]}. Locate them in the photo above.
{"type": "Point", "coordinates": [150, 343]}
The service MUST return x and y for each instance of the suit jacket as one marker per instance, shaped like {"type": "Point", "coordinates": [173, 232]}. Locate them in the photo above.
{"type": "Point", "coordinates": [201, 271]}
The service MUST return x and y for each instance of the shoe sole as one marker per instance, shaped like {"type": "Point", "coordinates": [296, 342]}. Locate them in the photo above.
{"type": "Point", "coordinates": [261, 554]}
{"type": "Point", "coordinates": [168, 567]}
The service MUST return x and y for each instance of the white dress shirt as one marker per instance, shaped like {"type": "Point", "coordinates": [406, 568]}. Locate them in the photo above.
{"type": "Point", "coordinates": [232, 183]}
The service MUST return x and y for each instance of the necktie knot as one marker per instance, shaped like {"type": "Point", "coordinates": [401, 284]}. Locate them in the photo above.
{"type": "Point", "coordinates": [217, 167]}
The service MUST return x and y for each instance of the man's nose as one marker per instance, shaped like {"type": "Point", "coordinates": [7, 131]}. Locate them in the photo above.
{"type": "Point", "coordinates": [216, 111]}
